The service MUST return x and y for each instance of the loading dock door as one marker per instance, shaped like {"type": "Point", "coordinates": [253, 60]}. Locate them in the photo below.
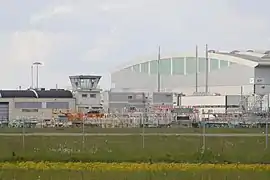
{"type": "Point", "coordinates": [4, 111]}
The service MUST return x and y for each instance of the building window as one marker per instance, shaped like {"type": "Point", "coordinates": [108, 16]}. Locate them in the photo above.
{"type": "Point", "coordinates": [144, 67]}
{"type": "Point", "coordinates": [129, 97]}
{"type": "Point", "coordinates": [214, 64]}
{"type": "Point", "coordinates": [165, 66]}
{"type": "Point", "coordinates": [57, 105]}
{"type": "Point", "coordinates": [190, 65]}
{"type": "Point", "coordinates": [29, 110]}
{"type": "Point", "coordinates": [84, 95]}
{"type": "Point", "coordinates": [178, 66]}
{"type": "Point", "coordinates": [28, 105]}
{"type": "Point", "coordinates": [153, 67]}
{"type": "Point", "coordinates": [93, 95]}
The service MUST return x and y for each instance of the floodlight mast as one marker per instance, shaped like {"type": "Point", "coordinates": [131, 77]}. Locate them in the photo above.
{"type": "Point", "coordinates": [37, 64]}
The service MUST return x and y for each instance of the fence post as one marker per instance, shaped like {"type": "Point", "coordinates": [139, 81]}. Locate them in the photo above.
{"type": "Point", "coordinates": [143, 132]}
{"type": "Point", "coordinates": [83, 134]}
{"type": "Point", "coordinates": [23, 135]}
{"type": "Point", "coordinates": [266, 124]}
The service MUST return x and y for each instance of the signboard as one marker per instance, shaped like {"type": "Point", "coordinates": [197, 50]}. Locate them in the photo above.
{"type": "Point", "coordinates": [259, 80]}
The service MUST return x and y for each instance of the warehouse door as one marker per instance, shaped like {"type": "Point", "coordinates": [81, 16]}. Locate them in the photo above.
{"type": "Point", "coordinates": [4, 111]}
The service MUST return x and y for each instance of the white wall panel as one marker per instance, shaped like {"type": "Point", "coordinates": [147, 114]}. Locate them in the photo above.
{"type": "Point", "coordinates": [203, 100]}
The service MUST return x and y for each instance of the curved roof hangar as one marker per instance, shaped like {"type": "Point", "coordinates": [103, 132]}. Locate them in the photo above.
{"type": "Point", "coordinates": [247, 58]}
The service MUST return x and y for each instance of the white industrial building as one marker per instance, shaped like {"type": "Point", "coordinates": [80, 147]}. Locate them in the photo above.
{"type": "Point", "coordinates": [116, 101]}
{"type": "Point", "coordinates": [215, 104]}
{"type": "Point", "coordinates": [227, 73]}
{"type": "Point", "coordinates": [212, 73]}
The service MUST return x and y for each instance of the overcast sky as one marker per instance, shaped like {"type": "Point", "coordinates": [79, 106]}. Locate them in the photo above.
{"type": "Point", "coordinates": [95, 36]}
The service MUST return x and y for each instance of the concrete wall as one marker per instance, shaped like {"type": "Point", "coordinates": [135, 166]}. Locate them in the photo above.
{"type": "Point", "coordinates": [88, 98]}
{"type": "Point", "coordinates": [227, 80]}
{"type": "Point", "coordinates": [44, 112]}
{"type": "Point", "coordinates": [160, 98]}
{"type": "Point", "coordinates": [203, 100]}
{"type": "Point", "coordinates": [120, 100]}
{"type": "Point", "coordinates": [140, 100]}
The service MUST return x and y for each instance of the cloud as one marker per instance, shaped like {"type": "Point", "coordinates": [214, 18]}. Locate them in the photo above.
{"type": "Point", "coordinates": [50, 13]}
{"type": "Point", "coordinates": [112, 6]}
{"type": "Point", "coordinates": [100, 50]}
{"type": "Point", "coordinates": [22, 48]}
{"type": "Point", "coordinates": [30, 46]}
{"type": "Point", "coordinates": [111, 33]}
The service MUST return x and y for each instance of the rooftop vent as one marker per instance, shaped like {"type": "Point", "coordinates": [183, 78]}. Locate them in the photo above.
{"type": "Point", "coordinates": [266, 56]}
{"type": "Point", "coordinates": [267, 52]}
{"type": "Point", "coordinates": [235, 52]}
{"type": "Point", "coordinates": [211, 51]}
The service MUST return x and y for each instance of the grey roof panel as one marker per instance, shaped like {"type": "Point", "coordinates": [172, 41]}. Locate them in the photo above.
{"type": "Point", "coordinates": [17, 94]}
{"type": "Point", "coordinates": [243, 56]}
{"type": "Point", "coordinates": [53, 93]}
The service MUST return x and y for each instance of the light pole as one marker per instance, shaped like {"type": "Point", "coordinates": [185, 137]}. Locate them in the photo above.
{"type": "Point", "coordinates": [32, 76]}
{"type": "Point", "coordinates": [37, 64]}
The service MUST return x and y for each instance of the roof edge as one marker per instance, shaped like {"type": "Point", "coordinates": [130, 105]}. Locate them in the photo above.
{"type": "Point", "coordinates": [224, 57]}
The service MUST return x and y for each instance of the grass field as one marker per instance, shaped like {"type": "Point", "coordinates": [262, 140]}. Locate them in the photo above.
{"type": "Point", "coordinates": [130, 171]}
{"type": "Point", "coordinates": [131, 130]}
{"type": "Point", "coordinates": [86, 175]}
{"type": "Point", "coordinates": [130, 149]}
{"type": "Point", "coordinates": [135, 148]}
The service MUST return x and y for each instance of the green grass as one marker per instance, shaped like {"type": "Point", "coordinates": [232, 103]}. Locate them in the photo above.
{"type": "Point", "coordinates": [80, 175]}
{"type": "Point", "coordinates": [132, 130]}
{"type": "Point", "coordinates": [130, 149]}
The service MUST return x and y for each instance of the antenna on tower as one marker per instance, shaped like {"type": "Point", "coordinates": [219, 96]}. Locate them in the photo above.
{"type": "Point", "coordinates": [158, 70]}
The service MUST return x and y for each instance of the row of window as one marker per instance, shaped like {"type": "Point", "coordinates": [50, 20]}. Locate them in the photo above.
{"type": "Point", "coordinates": [39, 105]}
{"type": "Point", "coordinates": [90, 95]}
{"type": "Point", "coordinates": [179, 66]}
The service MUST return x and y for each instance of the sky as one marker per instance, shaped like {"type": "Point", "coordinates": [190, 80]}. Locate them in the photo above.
{"type": "Point", "coordinates": [96, 36]}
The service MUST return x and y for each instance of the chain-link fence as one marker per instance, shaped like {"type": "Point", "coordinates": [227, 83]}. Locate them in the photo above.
{"type": "Point", "coordinates": [122, 138]}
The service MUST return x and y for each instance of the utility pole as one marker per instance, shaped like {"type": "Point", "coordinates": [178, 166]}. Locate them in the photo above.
{"type": "Point", "coordinates": [158, 70]}
{"type": "Point", "coordinates": [196, 66]}
{"type": "Point", "coordinates": [32, 76]}
{"type": "Point", "coordinates": [206, 69]}
{"type": "Point", "coordinates": [266, 124]}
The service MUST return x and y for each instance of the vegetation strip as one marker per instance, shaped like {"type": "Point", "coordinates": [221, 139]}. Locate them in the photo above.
{"type": "Point", "coordinates": [130, 166]}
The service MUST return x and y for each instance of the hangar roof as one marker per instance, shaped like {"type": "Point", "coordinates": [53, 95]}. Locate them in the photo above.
{"type": "Point", "coordinates": [250, 58]}
{"type": "Point", "coordinates": [54, 93]}
{"type": "Point", "coordinates": [31, 93]}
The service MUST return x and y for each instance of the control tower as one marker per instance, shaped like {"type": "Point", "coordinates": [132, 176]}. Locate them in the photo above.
{"type": "Point", "coordinates": [86, 92]}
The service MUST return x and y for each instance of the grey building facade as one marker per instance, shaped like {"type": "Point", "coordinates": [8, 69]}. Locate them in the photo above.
{"type": "Point", "coordinates": [36, 104]}
{"type": "Point", "coordinates": [135, 101]}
